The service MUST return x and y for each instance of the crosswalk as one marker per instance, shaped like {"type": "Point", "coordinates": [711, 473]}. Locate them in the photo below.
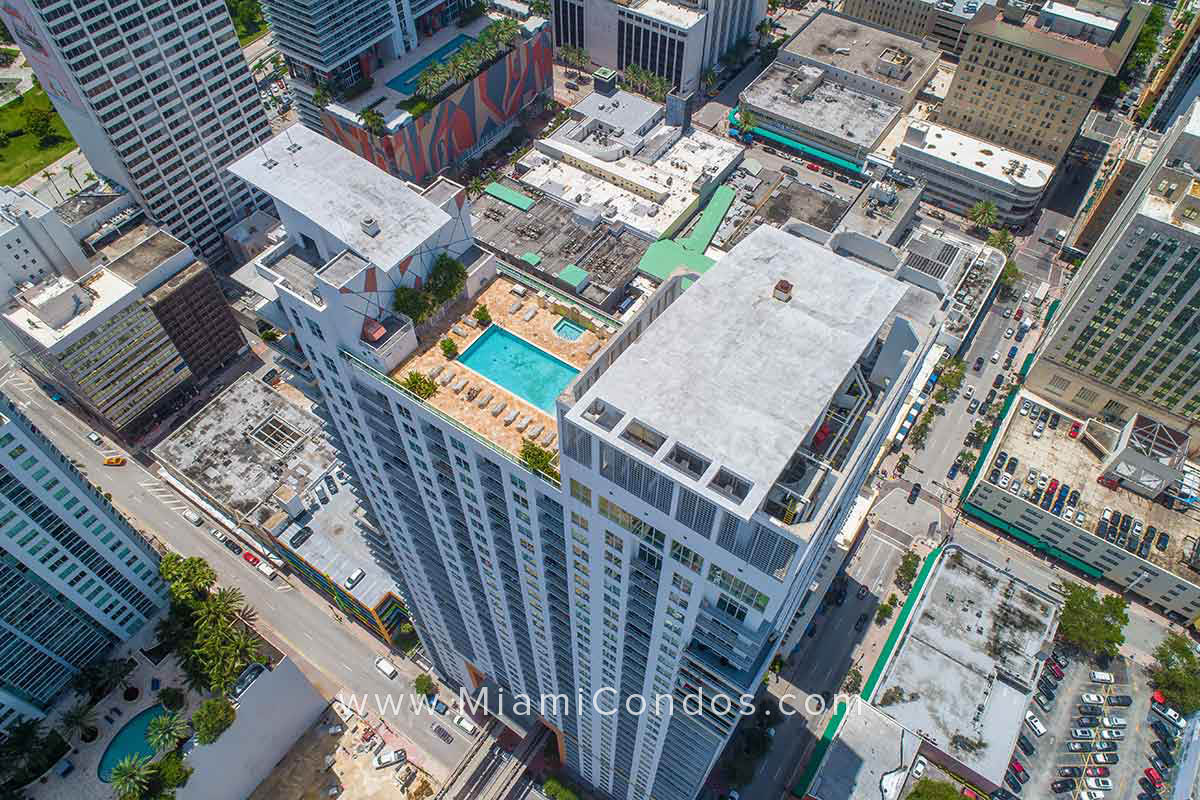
{"type": "Point", "coordinates": [164, 494]}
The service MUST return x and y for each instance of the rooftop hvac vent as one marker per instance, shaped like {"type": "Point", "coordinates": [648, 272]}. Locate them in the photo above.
{"type": "Point", "coordinates": [369, 226]}
{"type": "Point", "coordinates": [783, 290]}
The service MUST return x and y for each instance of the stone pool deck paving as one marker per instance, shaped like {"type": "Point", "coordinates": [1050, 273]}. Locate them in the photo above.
{"type": "Point", "coordinates": [539, 331]}
{"type": "Point", "coordinates": [84, 783]}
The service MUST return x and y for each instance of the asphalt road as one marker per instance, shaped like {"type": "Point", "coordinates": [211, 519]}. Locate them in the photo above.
{"type": "Point", "coordinates": [298, 622]}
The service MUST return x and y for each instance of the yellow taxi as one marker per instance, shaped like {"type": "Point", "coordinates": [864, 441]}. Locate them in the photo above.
{"type": "Point", "coordinates": [114, 461]}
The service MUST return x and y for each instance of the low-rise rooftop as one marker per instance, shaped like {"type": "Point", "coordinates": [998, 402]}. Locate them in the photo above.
{"type": "Point", "coordinates": [808, 98]}
{"type": "Point", "coordinates": [673, 14]}
{"type": "Point", "coordinates": [141, 259]}
{"type": "Point", "coordinates": [340, 191]}
{"type": "Point", "coordinates": [857, 47]}
{"type": "Point", "coordinates": [82, 205]}
{"type": "Point", "coordinates": [963, 674]}
{"type": "Point", "coordinates": [967, 154]}
{"type": "Point", "coordinates": [878, 211]}
{"type": "Point", "coordinates": [56, 311]}
{"type": "Point", "coordinates": [244, 444]}
{"type": "Point", "coordinates": [869, 759]}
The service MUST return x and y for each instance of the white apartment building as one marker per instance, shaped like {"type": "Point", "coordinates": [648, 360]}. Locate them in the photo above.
{"type": "Point", "coordinates": [159, 98]}
{"type": "Point", "coordinates": [677, 41]}
{"type": "Point", "coordinates": [960, 171]}
{"type": "Point", "coordinates": [75, 577]}
{"type": "Point", "coordinates": [1127, 338]}
{"type": "Point", "coordinates": [34, 242]}
{"type": "Point", "coordinates": [675, 533]}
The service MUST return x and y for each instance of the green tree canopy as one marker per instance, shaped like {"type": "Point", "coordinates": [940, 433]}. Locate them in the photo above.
{"type": "Point", "coordinates": [983, 214]}
{"type": "Point", "coordinates": [188, 579]}
{"type": "Point", "coordinates": [166, 731]}
{"type": "Point", "coordinates": [424, 684]}
{"type": "Point", "coordinates": [213, 718]}
{"type": "Point", "coordinates": [1093, 623]}
{"type": "Point", "coordinates": [929, 789]}
{"type": "Point", "coordinates": [131, 777]}
{"type": "Point", "coordinates": [1002, 240]}
{"type": "Point", "coordinates": [1176, 673]}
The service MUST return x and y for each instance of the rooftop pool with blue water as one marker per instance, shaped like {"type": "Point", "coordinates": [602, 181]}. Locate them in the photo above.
{"type": "Point", "coordinates": [519, 366]}
{"type": "Point", "coordinates": [406, 82]}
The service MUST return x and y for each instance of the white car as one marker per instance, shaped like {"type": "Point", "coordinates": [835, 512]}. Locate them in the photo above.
{"type": "Point", "coordinates": [1106, 515]}
{"type": "Point", "coordinates": [95, 439]}
{"type": "Point", "coordinates": [1083, 733]}
{"type": "Point", "coordinates": [1091, 794]}
{"type": "Point", "coordinates": [388, 758]}
{"type": "Point", "coordinates": [1099, 783]}
{"type": "Point", "coordinates": [969, 393]}
{"type": "Point", "coordinates": [216, 534]}
{"type": "Point", "coordinates": [1033, 476]}
{"type": "Point", "coordinates": [1025, 408]}
{"type": "Point", "coordinates": [1037, 432]}
{"type": "Point", "coordinates": [386, 667]}
{"type": "Point", "coordinates": [466, 724]}
{"type": "Point", "coordinates": [1080, 518]}
{"type": "Point", "coordinates": [1015, 488]}
{"type": "Point", "coordinates": [919, 767]}
{"type": "Point", "coordinates": [1042, 481]}
{"type": "Point", "coordinates": [1034, 723]}
{"type": "Point", "coordinates": [1004, 480]}
{"type": "Point", "coordinates": [1008, 334]}
{"type": "Point", "coordinates": [1092, 699]}
{"type": "Point", "coordinates": [1101, 677]}
{"type": "Point", "coordinates": [1026, 297]}
{"type": "Point", "coordinates": [191, 516]}
{"type": "Point", "coordinates": [996, 357]}
{"type": "Point", "coordinates": [1114, 722]}
{"type": "Point", "coordinates": [1115, 734]}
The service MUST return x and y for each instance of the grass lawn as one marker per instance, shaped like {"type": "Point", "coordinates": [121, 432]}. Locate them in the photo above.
{"type": "Point", "coordinates": [21, 158]}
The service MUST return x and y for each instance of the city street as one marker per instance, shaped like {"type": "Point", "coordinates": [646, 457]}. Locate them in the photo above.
{"type": "Point", "coordinates": [336, 656]}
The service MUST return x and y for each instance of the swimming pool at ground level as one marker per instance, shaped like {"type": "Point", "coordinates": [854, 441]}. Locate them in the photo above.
{"type": "Point", "coordinates": [522, 368]}
{"type": "Point", "coordinates": [130, 740]}
{"type": "Point", "coordinates": [569, 329]}
{"type": "Point", "coordinates": [406, 82]}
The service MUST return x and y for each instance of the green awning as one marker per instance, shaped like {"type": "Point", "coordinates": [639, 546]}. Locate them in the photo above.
{"type": "Point", "coordinates": [1052, 310]}
{"type": "Point", "coordinates": [710, 219]}
{"type": "Point", "coordinates": [531, 258]}
{"type": "Point", "coordinates": [809, 150]}
{"type": "Point", "coordinates": [665, 256]}
{"type": "Point", "coordinates": [573, 276]}
{"type": "Point", "coordinates": [510, 196]}
{"type": "Point", "coordinates": [1039, 544]}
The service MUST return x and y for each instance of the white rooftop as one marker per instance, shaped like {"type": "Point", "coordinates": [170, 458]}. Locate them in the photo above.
{"type": "Point", "coordinates": [670, 13]}
{"type": "Point", "coordinates": [1079, 15]}
{"type": "Point", "coordinates": [671, 176]}
{"type": "Point", "coordinates": [15, 203]}
{"type": "Point", "coordinates": [984, 158]}
{"type": "Point", "coordinates": [337, 190]}
{"type": "Point", "coordinates": [59, 319]}
{"type": "Point", "coordinates": [739, 376]}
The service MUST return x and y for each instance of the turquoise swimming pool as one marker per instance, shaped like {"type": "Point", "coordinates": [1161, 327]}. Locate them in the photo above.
{"type": "Point", "coordinates": [568, 329]}
{"type": "Point", "coordinates": [406, 82]}
{"type": "Point", "coordinates": [130, 740]}
{"type": "Point", "coordinates": [518, 366]}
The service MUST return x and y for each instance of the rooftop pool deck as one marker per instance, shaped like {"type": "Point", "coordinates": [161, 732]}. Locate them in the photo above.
{"type": "Point", "coordinates": [406, 82]}
{"type": "Point", "coordinates": [463, 405]}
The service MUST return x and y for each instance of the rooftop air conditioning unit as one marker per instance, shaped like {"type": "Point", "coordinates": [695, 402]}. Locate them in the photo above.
{"type": "Point", "coordinates": [369, 226]}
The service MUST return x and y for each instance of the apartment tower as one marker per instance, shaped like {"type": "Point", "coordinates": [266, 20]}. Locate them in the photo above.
{"type": "Point", "coordinates": [1127, 338]}
{"type": "Point", "coordinates": [1027, 79]}
{"type": "Point", "coordinates": [75, 577]}
{"type": "Point", "coordinates": [159, 98]}
{"type": "Point", "coordinates": [650, 515]}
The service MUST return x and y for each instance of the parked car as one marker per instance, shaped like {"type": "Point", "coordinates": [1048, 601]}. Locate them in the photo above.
{"type": "Point", "coordinates": [232, 546]}
{"type": "Point", "coordinates": [191, 516]}
{"type": "Point", "coordinates": [914, 493]}
{"type": "Point", "coordinates": [250, 558]}
{"type": "Point", "coordinates": [1070, 772]}
{"type": "Point", "coordinates": [861, 623]}
{"type": "Point", "coordinates": [386, 667]}
{"type": "Point", "coordinates": [300, 537]}
{"type": "Point", "coordinates": [114, 461]}
{"type": "Point", "coordinates": [1060, 786]}
{"type": "Point", "coordinates": [1119, 700]}
{"type": "Point", "coordinates": [94, 438]}
{"type": "Point", "coordinates": [1106, 758]}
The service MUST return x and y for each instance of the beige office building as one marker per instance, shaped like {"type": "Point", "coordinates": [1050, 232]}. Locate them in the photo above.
{"type": "Point", "coordinates": [1027, 79]}
{"type": "Point", "coordinates": [944, 21]}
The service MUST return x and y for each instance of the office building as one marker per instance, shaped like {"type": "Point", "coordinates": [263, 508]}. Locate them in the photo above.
{"type": "Point", "coordinates": [960, 171]}
{"type": "Point", "coordinates": [159, 98]}
{"type": "Point", "coordinates": [1183, 88]}
{"type": "Point", "coordinates": [838, 87]}
{"type": "Point", "coordinates": [1132, 156]}
{"type": "Point", "coordinates": [363, 55]}
{"type": "Point", "coordinates": [1027, 79]}
{"type": "Point", "coordinates": [1124, 341]}
{"type": "Point", "coordinates": [140, 328]}
{"type": "Point", "coordinates": [944, 21]}
{"type": "Point", "coordinates": [75, 577]}
{"type": "Point", "coordinates": [558, 527]}
{"type": "Point", "coordinates": [676, 41]}
{"type": "Point", "coordinates": [34, 242]}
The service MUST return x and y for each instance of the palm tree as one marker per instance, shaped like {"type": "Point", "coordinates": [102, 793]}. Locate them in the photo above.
{"type": "Point", "coordinates": [23, 742]}
{"type": "Point", "coordinates": [983, 214]}
{"type": "Point", "coordinates": [460, 69]}
{"type": "Point", "coordinates": [373, 121]}
{"type": "Point", "coordinates": [166, 731]}
{"type": "Point", "coordinates": [430, 81]}
{"type": "Point", "coordinates": [506, 30]}
{"type": "Point", "coordinates": [710, 78]}
{"type": "Point", "coordinates": [746, 120]}
{"type": "Point", "coordinates": [70, 168]}
{"type": "Point", "coordinates": [131, 776]}
{"type": "Point", "coordinates": [540, 8]}
{"type": "Point", "coordinates": [79, 719]}
{"type": "Point", "coordinates": [476, 187]}
{"type": "Point", "coordinates": [488, 49]}
{"type": "Point", "coordinates": [49, 176]}
{"type": "Point", "coordinates": [764, 29]}
{"type": "Point", "coordinates": [321, 97]}
{"type": "Point", "coordinates": [1002, 240]}
{"type": "Point", "coordinates": [219, 608]}
{"type": "Point", "coordinates": [90, 176]}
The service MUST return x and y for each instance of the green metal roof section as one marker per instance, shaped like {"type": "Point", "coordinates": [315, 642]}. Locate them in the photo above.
{"type": "Point", "coordinates": [808, 150]}
{"type": "Point", "coordinates": [1051, 311]}
{"type": "Point", "coordinates": [1030, 539]}
{"type": "Point", "coordinates": [510, 196]}
{"type": "Point", "coordinates": [710, 219]}
{"type": "Point", "coordinates": [665, 256]}
{"type": "Point", "coordinates": [1026, 366]}
{"type": "Point", "coordinates": [531, 258]}
{"type": "Point", "coordinates": [572, 275]}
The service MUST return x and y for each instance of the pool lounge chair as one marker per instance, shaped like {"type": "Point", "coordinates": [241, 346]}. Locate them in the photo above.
{"type": "Point", "coordinates": [524, 423]}
{"type": "Point", "coordinates": [510, 416]}
{"type": "Point", "coordinates": [496, 409]}
{"type": "Point", "coordinates": [549, 438]}
{"type": "Point", "coordinates": [473, 392]}
{"type": "Point", "coordinates": [591, 351]}
{"type": "Point", "coordinates": [519, 290]}
{"type": "Point", "coordinates": [447, 376]}
{"type": "Point", "coordinates": [515, 307]}
{"type": "Point", "coordinates": [458, 331]}
{"type": "Point", "coordinates": [458, 387]}
{"type": "Point", "coordinates": [530, 314]}
{"type": "Point", "coordinates": [471, 322]}
{"type": "Point", "coordinates": [435, 371]}
{"type": "Point", "coordinates": [483, 401]}
{"type": "Point", "coordinates": [536, 431]}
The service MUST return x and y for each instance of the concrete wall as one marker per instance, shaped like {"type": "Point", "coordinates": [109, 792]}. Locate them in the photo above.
{"type": "Point", "coordinates": [272, 714]}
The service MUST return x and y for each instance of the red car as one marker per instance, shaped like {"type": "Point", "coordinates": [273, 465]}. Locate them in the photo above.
{"type": "Point", "coordinates": [250, 558]}
{"type": "Point", "coordinates": [812, 166]}
{"type": "Point", "coordinates": [1152, 774]}
{"type": "Point", "coordinates": [1054, 668]}
{"type": "Point", "coordinates": [1075, 426]}
{"type": "Point", "coordinates": [1018, 770]}
{"type": "Point", "coordinates": [1017, 315]}
{"type": "Point", "coordinates": [1096, 772]}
